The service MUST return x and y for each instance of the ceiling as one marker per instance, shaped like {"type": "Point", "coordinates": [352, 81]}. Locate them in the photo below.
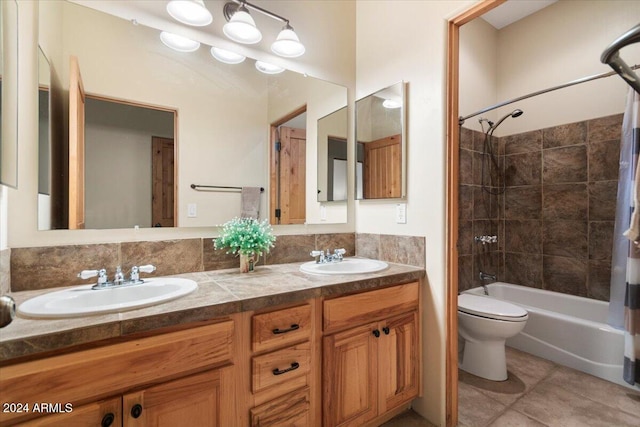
{"type": "Point", "coordinates": [514, 10]}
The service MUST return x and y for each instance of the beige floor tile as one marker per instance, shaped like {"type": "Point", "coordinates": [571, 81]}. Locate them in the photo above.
{"type": "Point", "coordinates": [515, 419]}
{"type": "Point", "coordinates": [594, 388]}
{"type": "Point", "coordinates": [474, 408]}
{"type": "Point", "coordinates": [558, 407]}
{"type": "Point", "coordinates": [408, 419]}
{"type": "Point", "coordinates": [521, 363]}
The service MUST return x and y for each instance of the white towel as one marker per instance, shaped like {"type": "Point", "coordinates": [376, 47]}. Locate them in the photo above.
{"type": "Point", "coordinates": [250, 202]}
{"type": "Point", "coordinates": [633, 112]}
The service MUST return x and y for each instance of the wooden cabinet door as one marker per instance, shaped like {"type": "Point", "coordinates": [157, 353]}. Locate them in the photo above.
{"type": "Point", "coordinates": [104, 413]}
{"type": "Point", "coordinates": [350, 371]}
{"type": "Point", "coordinates": [398, 358]}
{"type": "Point", "coordinates": [190, 401]}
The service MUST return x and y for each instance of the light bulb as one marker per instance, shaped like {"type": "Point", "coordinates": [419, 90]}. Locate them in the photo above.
{"type": "Point", "coordinates": [190, 12]}
{"type": "Point", "coordinates": [179, 43]}
{"type": "Point", "coordinates": [242, 28]}
{"type": "Point", "coordinates": [265, 67]}
{"type": "Point", "coordinates": [226, 56]}
{"type": "Point", "coordinates": [287, 43]}
{"type": "Point", "coordinates": [390, 103]}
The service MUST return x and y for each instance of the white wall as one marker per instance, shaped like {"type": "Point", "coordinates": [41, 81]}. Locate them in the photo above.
{"type": "Point", "coordinates": [330, 56]}
{"type": "Point", "coordinates": [407, 40]}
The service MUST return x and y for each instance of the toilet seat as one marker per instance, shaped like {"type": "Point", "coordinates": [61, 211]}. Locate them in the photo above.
{"type": "Point", "coordinates": [491, 308]}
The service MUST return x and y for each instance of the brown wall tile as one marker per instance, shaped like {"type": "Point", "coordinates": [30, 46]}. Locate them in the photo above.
{"type": "Point", "coordinates": [403, 249]}
{"type": "Point", "coordinates": [524, 236]}
{"type": "Point", "coordinates": [566, 275]}
{"type": "Point", "coordinates": [599, 280]}
{"type": "Point", "coordinates": [465, 271]}
{"type": "Point", "coordinates": [485, 204]}
{"type": "Point", "coordinates": [565, 201]}
{"type": "Point", "coordinates": [49, 267]}
{"type": "Point", "coordinates": [465, 202]}
{"type": "Point", "coordinates": [465, 237]}
{"type": "Point", "coordinates": [523, 169]}
{"type": "Point", "coordinates": [565, 238]}
{"type": "Point", "coordinates": [602, 200]}
{"type": "Point", "coordinates": [293, 248]}
{"type": "Point", "coordinates": [523, 202]}
{"type": "Point", "coordinates": [523, 269]}
{"type": "Point", "coordinates": [563, 135]}
{"type": "Point", "coordinates": [218, 259]}
{"type": "Point", "coordinates": [604, 160]}
{"type": "Point", "coordinates": [332, 241]}
{"type": "Point", "coordinates": [368, 245]}
{"type": "Point", "coordinates": [169, 256]}
{"type": "Point", "coordinates": [466, 166]}
{"type": "Point", "coordinates": [466, 138]}
{"type": "Point", "coordinates": [523, 142]}
{"type": "Point", "coordinates": [605, 128]}
{"type": "Point", "coordinates": [567, 164]}
{"type": "Point", "coordinates": [601, 240]}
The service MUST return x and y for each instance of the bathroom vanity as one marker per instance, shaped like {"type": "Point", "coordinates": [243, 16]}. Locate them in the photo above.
{"type": "Point", "coordinates": [277, 347]}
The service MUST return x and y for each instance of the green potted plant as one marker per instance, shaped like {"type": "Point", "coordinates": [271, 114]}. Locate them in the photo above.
{"type": "Point", "coordinates": [247, 237]}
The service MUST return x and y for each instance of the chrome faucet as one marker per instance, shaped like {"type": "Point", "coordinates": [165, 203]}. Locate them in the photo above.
{"type": "Point", "coordinates": [118, 278]}
{"type": "Point", "coordinates": [323, 258]}
{"type": "Point", "coordinates": [485, 277]}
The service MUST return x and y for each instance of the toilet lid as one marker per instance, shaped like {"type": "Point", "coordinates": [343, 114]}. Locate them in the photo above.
{"type": "Point", "coordinates": [490, 307]}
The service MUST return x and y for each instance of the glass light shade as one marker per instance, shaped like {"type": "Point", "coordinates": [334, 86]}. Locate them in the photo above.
{"type": "Point", "coordinates": [190, 12]}
{"type": "Point", "coordinates": [227, 56]}
{"type": "Point", "coordinates": [242, 28]}
{"type": "Point", "coordinates": [287, 44]}
{"type": "Point", "coordinates": [390, 103]}
{"type": "Point", "coordinates": [265, 67]}
{"type": "Point", "coordinates": [179, 43]}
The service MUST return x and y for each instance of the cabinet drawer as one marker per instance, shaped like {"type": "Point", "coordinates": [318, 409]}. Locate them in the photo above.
{"type": "Point", "coordinates": [353, 310]}
{"type": "Point", "coordinates": [292, 410]}
{"type": "Point", "coordinates": [280, 366]}
{"type": "Point", "coordinates": [282, 327]}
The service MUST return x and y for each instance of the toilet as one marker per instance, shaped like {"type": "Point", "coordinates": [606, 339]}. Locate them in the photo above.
{"type": "Point", "coordinates": [485, 323]}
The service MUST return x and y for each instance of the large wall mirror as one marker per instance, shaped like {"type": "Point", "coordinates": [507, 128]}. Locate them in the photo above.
{"type": "Point", "coordinates": [157, 121]}
{"type": "Point", "coordinates": [9, 93]}
{"type": "Point", "coordinates": [381, 146]}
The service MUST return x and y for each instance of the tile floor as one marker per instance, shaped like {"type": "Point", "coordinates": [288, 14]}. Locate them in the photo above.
{"type": "Point", "coordinates": [538, 393]}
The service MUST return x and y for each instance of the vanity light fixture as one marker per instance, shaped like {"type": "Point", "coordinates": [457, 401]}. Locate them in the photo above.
{"type": "Point", "coordinates": [179, 43]}
{"type": "Point", "coordinates": [190, 12]}
{"type": "Point", "coordinates": [265, 67]}
{"type": "Point", "coordinates": [390, 103]}
{"type": "Point", "coordinates": [287, 43]}
{"type": "Point", "coordinates": [227, 56]}
{"type": "Point", "coordinates": [241, 27]}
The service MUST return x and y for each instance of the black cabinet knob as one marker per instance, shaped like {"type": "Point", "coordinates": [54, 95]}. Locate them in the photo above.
{"type": "Point", "coordinates": [386, 330]}
{"type": "Point", "coordinates": [376, 333]}
{"type": "Point", "coordinates": [107, 420]}
{"type": "Point", "coordinates": [136, 410]}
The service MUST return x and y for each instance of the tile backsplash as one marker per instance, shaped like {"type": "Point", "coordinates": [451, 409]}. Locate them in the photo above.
{"type": "Point", "coordinates": [556, 216]}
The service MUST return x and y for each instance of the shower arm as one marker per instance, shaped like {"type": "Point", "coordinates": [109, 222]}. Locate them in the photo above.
{"type": "Point", "coordinates": [611, 57]}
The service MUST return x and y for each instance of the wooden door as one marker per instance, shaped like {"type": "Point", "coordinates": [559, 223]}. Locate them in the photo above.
{"type": "Point", "coordinates": [291, 171]}
{"type": "Point", "coordinates": [190, 401]}
{"type": "Point", "coordinates": [350, 371]}
{"type": "Point", "coordinates": [76, 146]}
{"type": "Point", "coordinates": [398, 358]}
{"type": "Point", "coordinates": [383, 168]}
{"type": "Point", "coordinates": [163, 190]}
{"type": "Point", "coordinates": [103, 413]}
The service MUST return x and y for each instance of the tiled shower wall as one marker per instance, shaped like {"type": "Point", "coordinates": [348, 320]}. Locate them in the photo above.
{"type": "Point", "coordinates": [555, 219]}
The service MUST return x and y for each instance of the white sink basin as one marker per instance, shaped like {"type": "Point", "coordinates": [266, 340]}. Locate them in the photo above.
{"type": "Point", "coordinates": [346, 266]}
{"type": "Point", "coordinates": [82, 300]}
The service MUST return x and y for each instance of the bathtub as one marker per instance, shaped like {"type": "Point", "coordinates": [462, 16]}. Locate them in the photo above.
{"type": "Point", "coordinates": [566, 329]}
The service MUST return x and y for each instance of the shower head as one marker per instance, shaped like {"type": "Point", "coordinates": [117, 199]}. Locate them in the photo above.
{"type": "Point", "coordinates": [514, 114]}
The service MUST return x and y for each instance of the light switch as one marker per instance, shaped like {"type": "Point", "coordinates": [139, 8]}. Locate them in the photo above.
{"type": "Point", "coordinates": [192, 210]}
{"type": "Point", "coordinates": [401, 213]}
{"type": "Point", "coordinates": [323, 213]}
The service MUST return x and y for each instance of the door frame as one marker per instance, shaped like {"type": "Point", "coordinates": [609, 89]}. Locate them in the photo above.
{"type": "Point", "coordinates": [453, 168]}
{"type": "Point", "coordinates": [273, 159]}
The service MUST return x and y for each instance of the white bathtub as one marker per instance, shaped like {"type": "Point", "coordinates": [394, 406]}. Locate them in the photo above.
{"type": "Point", "coordinates": [566, 329]}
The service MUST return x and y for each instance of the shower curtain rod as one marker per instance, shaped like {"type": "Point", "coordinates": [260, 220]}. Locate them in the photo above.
{"type": "Point", "coordinates": [461, 119]}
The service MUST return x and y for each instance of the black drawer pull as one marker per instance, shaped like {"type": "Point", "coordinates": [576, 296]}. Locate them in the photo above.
{"type": "Point", "coordinates": [293, 327]}
{"type": "Point", "coordinates": [107, 420]}
{"type": "Point", "coordinates": [385, 330]}
{"type": "Point", "coordinates": [376, 333]}
{"type": "Point", "coordinates": [293, 367]}
{"type": "Point", "coordinates": [136, 410]}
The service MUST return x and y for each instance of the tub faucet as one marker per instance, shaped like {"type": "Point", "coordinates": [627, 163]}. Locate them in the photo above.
{"type": "Point", "coordinates": [485, 277]}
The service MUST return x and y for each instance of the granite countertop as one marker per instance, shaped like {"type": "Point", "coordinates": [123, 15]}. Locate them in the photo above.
{"type": "Point", "coordinates": [219, 293]}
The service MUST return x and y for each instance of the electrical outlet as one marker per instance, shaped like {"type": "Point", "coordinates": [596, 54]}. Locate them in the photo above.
{"type": "Point", "coordinates": [401, 213]}
{"type": "Point", "coordinates": [192, 210]}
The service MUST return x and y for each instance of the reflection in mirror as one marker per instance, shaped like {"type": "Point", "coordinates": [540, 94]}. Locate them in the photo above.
{"type": "Point", "coordinates": [332, 156]}
{"type": "Point", "coordinates": [44, 142]}
{"type": "Point", "coordinates": [9, 93]}
{"type": "Point", "coordinates": [381, 144]}
{"type": "Point", "coordinates": [223, 115]}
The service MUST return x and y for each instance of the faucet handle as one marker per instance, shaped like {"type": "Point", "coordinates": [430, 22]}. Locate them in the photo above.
{"type": "Point", "coordinates": [147, 268]}
{"type": "Point", "coordinates": [340, 251]}
{"type": "Point", "coordinates": [87, 274]}
{"type": "Point", "coordinates": [316, 253]}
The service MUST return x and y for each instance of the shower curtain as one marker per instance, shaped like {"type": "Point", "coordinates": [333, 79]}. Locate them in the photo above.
{"type": "Point", "coordinates": [624, 305]}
